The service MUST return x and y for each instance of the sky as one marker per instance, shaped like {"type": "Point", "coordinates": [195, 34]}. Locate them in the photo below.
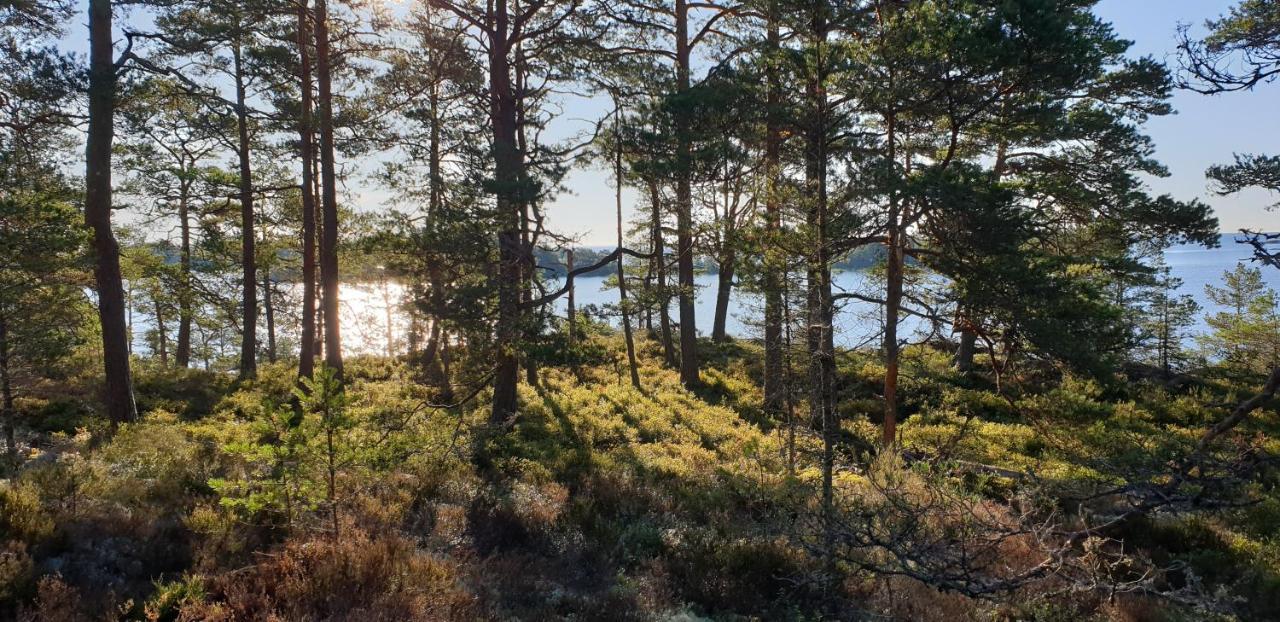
{"type": "Point", "coordinates": [1206, 130]}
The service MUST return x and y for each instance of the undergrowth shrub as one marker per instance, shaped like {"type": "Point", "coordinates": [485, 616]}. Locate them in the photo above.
{"type": "Point", "coordinates": [353, 577]}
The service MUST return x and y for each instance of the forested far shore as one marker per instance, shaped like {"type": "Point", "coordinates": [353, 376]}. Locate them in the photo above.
{"type": "Point", "coordinates": [301, 311]}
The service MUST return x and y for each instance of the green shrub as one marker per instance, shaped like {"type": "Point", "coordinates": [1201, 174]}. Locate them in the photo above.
{"type": "Point", "coordinates": [22, 514]}
{"type": "Point", "coordinates": [63, 414]}
{"type": "Point", "coordinates": [169, 599]}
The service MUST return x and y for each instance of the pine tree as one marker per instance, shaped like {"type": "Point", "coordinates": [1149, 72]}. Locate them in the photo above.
{"type": "Point", "coordinates": [1245, 334]}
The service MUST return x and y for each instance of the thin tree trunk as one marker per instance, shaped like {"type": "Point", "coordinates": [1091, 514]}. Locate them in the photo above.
{"type": "Point", "coordinates": [647, 286]}
{"type": "Point", "coordinates": [317, 226]}
{"type": "Point", "coordinates": [161, 337]}
{"type": "Point", "coordinates": [306, 152]}
{"type": "Point", "coordinates": [434, 356]}
{"type": "Point", "coordinates": [774, 257]}
{"type": "Point", "coordinates": [820, 304]}
{"type": "Point", "coordinates": [727, 262]}
{"type": "Point", "coordinates": [248, 257]}
{"type": "Point", "coordinates": [128, 316]}
{"type": "Point", "coordinates": [660, 256]}
{"type": "Point", "coordinates": [724, 291]}
{"type": "Point", "coordinates": [622, 277]}
{"type": "Point", "coordinates": [7, 413]}
{"type": "Point", "coordinates": [573, 313]}
{"type": "Point", "coordinates": [684, 209]}
{"type": "Point", "coordinates": [785, 368]}
{"type": "Point", "coordinates": [967, 348]}
{"type": "Point", "coordinates": [893, 305]}
{"type": "Point", "coordinates": [446, 360]}
{"type": "Point", "coordinates": [1239, 413]}
{"type": "Point", "coordinates": [269, 312]}
{"type": "Point", "coordinates": [435, 204]}
{"type": "Point", "coordinates": [526, 289]}
{"type": "Point", "coordinates": [118, 396]}
{"type": "Point", "coordinates": [329, 195]}
{"type": "Point", "coordinates": [527, 265]}
{"type": "Point", "coordinates": [319, 343]}
{"type": "Point", "coordinates": [185, 312]}
{"type": "Point", "coordinates": [436, 199]}
{"type": "Point", "coordinates": [388, 308]}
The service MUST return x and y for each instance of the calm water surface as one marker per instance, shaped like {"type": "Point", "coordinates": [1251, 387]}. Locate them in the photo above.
{"type": "Point", "coordinates": [373, 324]}
{"type": "Point", "coordinates": [859, 322]}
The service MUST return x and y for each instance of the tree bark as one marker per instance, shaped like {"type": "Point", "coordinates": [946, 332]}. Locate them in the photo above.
{"type": "Point", "coordinates": [7, 413]}
{"type": "Point", "coordinates": [684, 209]}
{"type": "Point", "coordinates": [433, 357]}
{"type": "Point", "coordinates": [821, 310]}
{"type": "Point", "coordinates": [182, 355]}
{"type": "Point", "coordinates": [967, 348]}
{"type": "Point", "coordinates": [892, 349]}
{"type": "Point", "coordinates": [893, 305]}
{"type": "Point", "coordinates": [329, 195]}
{"type": "Point", "coordinates": [572, 309]}
{"type": "Point", "coordinates": [507, 181]}
{"type": "Point", "coordinates": [724, 290]}
{"type": "Point", "coordinates": [318, 349]}
{"type": "Point", "coordinates": [161, 337]}
{"type": "Point", "coordinates": [436, 199]}
{"type": "Point", "coordinates": [774, 257]}
{"type": "Point", "coordinates": [1240, 412]}
{"type": "Point", "coordinates": [306, 152]}
{"type": "Point", "coordinates": [269, 312]}
{"type": "Point", "coordinates": [660, 256]}
{"type": "Point", "coordinates": [118, 395]}
{"type": "Point", "coordinates": [435, 204]}
{"type": "Point", "coordinates": [622, 277]}
{"type": "Point", "coordinates": [248, 257]}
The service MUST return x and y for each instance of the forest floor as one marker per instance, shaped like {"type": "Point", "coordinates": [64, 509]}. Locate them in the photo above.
{"type": "Point", "coordinates": [600, 501]}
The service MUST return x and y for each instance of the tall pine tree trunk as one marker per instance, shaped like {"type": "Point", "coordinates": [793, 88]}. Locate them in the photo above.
{"type": "Point", "coordinates": [317, 226]}
{"type": "Point", "coordinates": [248, 257]}
{"type": "Point", "coordinates": [660, 257]}
{"type": "Point", "coordinates": [774, 257]}
{"type": "Point", "coordinates": [7, 413]}
{"type": "Point", "coordinates": [329, 194]}
{"type": "Point", "coordinates": [118, 396]}
{"type": "Point", "coordinates": [435, 204]}
{"type": "Point", "coordinates": [893, 303]}
{"type": "Point", "coordinates": [306, 152]}
{"type": "Point", "coordinates": [182, 354]}
{"type": "Point", "coordinates": [507, 181]}
{"type": "Point", "coordinates": [728, 262]}
{"type": "Point", "coordinates": [684, 209]}
{"type": "Point", "coordinates": [622, 277]}
{"type": "Point", "coordinates": [821, 310]}
{"type": "Point", "coordinates": [892, 347]}
{"type": "Point", "coordinates": [527, 239]}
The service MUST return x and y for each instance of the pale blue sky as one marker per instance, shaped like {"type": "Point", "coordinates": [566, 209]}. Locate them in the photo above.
{"type": "Point", "coordinates": [1205, 131]}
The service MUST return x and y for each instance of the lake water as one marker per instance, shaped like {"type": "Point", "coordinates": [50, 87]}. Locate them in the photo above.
{"type": "Point", "coordinates": [858, 322]}
{"type": "Point", "coordinates": [372, 323]}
